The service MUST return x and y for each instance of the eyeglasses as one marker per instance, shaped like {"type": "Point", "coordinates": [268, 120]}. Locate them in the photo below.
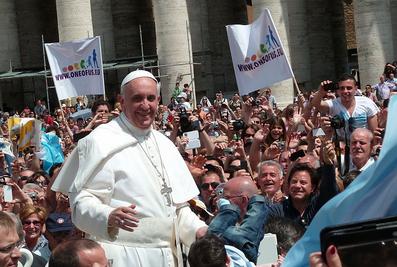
{"type": "Point", "coordinates": [25, 177]}
{"type": "Point", "coordinates": [41, 183]}
{"type": "Point", "coordinates": [206, 186]}
{"type": "Point", "coordinates": [231, 197]}
{"type": "Point", "coordinates": [35, 223]}
{"type": "Point", "coordinates": [8, 249]}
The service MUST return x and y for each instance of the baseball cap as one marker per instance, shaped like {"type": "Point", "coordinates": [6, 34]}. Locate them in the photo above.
{"type": "Point", "coordinates": [57, 222]}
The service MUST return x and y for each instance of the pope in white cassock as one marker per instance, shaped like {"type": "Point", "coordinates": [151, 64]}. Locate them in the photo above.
{"type": "Point", "coordinates": [128, 185]}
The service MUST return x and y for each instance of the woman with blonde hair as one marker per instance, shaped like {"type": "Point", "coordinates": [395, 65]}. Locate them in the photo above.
{"type": "Point", "coordinates": [33, 220]}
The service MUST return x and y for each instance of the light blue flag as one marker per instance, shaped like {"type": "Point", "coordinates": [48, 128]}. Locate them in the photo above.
{"type": "Point", "coordinates": [52, 151]}
{"type": "Point", "coordinates": [372, 195]}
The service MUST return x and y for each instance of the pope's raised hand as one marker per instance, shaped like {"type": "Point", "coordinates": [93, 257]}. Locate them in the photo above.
{"type": "Point", "coordinates": [124, 218]}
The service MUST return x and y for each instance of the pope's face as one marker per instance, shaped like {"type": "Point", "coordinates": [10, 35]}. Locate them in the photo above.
{"type": "Point", "coordinates": [140, 102]}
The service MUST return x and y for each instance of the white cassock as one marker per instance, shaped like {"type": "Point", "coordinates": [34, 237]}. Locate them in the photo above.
{"type": "Point", "coordinates": [115, 166]}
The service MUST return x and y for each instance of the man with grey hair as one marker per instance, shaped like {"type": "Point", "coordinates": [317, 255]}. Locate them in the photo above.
{"type": "Point", "coordinates": [270, 180]}
{"type": "Point", "coordinates": [361, 144]}
{"type": "Point", "coordinates": [131, 185]}
{"type": "Point", "coordinates": [9, 242]}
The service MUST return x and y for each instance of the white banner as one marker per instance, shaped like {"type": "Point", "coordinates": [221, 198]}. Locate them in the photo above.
{"type": "Point", "coordinates": [76, 67]}
{"type": "Point", "coordinates": [258, 56]}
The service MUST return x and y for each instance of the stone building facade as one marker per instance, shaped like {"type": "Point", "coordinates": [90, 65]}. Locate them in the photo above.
{"type": "Point", "coordinates": [187, 38]}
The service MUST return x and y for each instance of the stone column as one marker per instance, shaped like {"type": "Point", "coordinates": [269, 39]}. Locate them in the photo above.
{"type": "Point", "coordinates": [339, 37]}
{"type": "Point", "coordinates": [30, 20]}
{"type": "Point", "coordinates": [299, 43]}
{"type": "Point", "coordinates": [321, 45]}
{"type": "Point", "coordinates": [102, 22]}
{"type": "Point", "coordinates": [199, 31]}
{"type": "Point", "coordinates": [374, 38]}
{"type": "Point", "coordinates": [9, 43]}
{"type": "Point", "coordinates": [393, 12]}
{"type": "Point", "coordinates": [173, 46]}
{"type": "Point", "coordinates": [283, 91]}
{"type": "Point", "coordinates": [127, 16]}
{"type": "Point", "coordinates": [74, 19]}
{"type": "Point", "coordinates": [220, 14]}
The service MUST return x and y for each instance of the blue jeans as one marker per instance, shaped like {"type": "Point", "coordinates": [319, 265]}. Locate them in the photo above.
{"type": "Point", "coordinates": [249, 233]}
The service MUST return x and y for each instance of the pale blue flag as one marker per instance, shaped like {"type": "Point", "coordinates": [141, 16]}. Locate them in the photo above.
{"type": "Point", "coordinates": [372, 195]}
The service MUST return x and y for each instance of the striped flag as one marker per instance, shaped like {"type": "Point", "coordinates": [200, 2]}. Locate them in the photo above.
{"type": "Point", "coordinates": [372, 195]}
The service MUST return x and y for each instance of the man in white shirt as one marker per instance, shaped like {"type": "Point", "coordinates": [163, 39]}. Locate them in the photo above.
{"type": "Point", "coordinates": [131, 185]}
{"type": "Point", "coordinates": [356, 111]}
{"type": "Point", "coordinates": [382, 89]}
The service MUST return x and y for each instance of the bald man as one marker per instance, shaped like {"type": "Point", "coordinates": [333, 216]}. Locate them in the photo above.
{"type": "Point", "coordinates": [241, 204]}
{"type": "Point", "coordinates": [361, 144]}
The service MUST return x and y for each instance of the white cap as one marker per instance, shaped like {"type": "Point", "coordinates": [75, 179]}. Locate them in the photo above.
{"type": "Point", "coordinates": [137, 74]}
{"type": "Point", "coordinates": [182, 95]}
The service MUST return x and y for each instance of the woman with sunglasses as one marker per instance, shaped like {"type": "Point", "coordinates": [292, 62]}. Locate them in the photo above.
{"type": "Point", "coordinates": [33, 220]}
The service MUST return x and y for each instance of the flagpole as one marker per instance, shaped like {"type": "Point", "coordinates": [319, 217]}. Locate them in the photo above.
{"type": "Point", "coordinates": [286, 58]}
{"type": "Point", "coordinates": [103, 74]}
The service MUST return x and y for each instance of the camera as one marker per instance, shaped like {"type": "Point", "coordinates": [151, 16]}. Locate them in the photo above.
{"type": "Point", "coordinates": [209, 167]}
{"type": "Point", "coordinates": [228, 151]}
{"type": "Point", "coordinates": [256, 102]}
{"type": "Point", "coordinates": [337, 122]}
{"type": "Point", "coordinates": [214, 125]}
{"type": "Point", "coordinates": [32, 195]}
{"type": "Point", "coordinates": [238, 125]}
{"type": "Point", "coordinates": [184, 120]}
{"type": "Point", "coordinates": [332, 87]}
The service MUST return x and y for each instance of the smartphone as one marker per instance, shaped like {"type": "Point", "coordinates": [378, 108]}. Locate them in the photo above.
{"type": "Point", "coordinates": [7, 191]}
{"type": "Point", "coordinates": [318, 132]}
{"type": "Point", "coordinates": [296, 155]}
{"type": "Point", "coordinates": [332, 87]}
{"type": "Point", "coordinates": [367, 243]}
{"type": "Point", "coordinates": [209, 167]}
{"type": "Point", "coordinates": [244, 165]}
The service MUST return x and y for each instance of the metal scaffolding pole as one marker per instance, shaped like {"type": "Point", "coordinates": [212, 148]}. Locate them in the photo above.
{"type": "Point", "coordinates": [45, 74]}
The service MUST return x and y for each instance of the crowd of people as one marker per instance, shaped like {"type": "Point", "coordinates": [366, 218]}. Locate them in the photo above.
{"type": "Point", "coordinates": [137, 181]}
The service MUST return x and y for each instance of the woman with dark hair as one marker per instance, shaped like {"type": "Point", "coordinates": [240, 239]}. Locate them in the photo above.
{"type": "Point", "coordinates": [274, 143]}
{"type": "Point", "coordinates": [268, 142]}
{"type": "Point", "coordinates": [277, 131]}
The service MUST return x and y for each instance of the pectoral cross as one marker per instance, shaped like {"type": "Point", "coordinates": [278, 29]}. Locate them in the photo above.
{"type": "Point", "coordinates": [166, 191]}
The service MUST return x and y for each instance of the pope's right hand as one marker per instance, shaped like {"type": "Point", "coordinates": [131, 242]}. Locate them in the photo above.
{"type": "Point", "coordinates": [124, 218]}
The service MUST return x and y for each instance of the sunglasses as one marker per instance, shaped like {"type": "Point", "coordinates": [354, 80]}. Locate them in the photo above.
{"type": "Point", "coordinates": [35, 223]}
{"type": "Point", "coordinates": [25, 177]}
{"type": "Point", "coordinates": [206, 186]}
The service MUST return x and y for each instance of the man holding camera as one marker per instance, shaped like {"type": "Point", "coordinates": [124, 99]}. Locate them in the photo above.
{"type": "Point", "coordinates": [356, 111]}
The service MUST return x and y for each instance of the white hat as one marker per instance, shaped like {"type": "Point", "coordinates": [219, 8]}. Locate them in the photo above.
{"type": "Point", "coordinates": [182, 95]}
{"type": "Point", "coordinates": [137, 74]}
